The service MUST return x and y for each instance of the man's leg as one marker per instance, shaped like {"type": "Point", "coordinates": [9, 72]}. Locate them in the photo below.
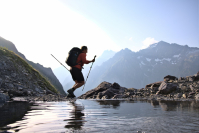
{"type": "Point", "coordinates": [75, 84]}
{"type": "Point", "coordinates": [78, 84]}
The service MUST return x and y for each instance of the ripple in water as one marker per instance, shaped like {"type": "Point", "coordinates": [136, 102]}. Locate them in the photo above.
{"type": "Point", "coordinates": [110, 116]}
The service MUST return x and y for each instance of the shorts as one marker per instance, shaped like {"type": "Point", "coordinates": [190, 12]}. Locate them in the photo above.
{"type": "Point", "coordinates": [76, 74]}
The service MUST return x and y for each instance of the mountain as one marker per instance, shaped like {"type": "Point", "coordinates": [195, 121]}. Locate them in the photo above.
{"type": "Point", "coordinates": [18, 78]}
{"type": "Point", "coordinates": [46, 72]}
{"type": "Point", "coordinates": [137, 69]}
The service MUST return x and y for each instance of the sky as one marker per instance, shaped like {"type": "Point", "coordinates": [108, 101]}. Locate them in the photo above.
{"type": "Point", "coordinates": [39, 28]}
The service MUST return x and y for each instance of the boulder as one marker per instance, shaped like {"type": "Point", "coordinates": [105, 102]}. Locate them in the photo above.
{"type": "Point", "coordinates": [184, 96]}
{"type": "Point", "coordinates": [181, 78]}
{"type": "Point", "coordinates": [115, 85]}
{"type": "Point", "coordinates": [190, 96]}
{"type": "Point", "coordinates": [108, 93]}
{"type": "Point", "coordinates": [192, 93]}
{"type": "Point", "coordinates": [197, 96]}
{"type": "Point", "coordinates": [185, 88]}
{"type": "Point", "coordinates": [105, 97]}
{"type": "Point", "coordinates": [179, 95]}
{"type": "Point", "coordinates": [16, 93]}
{"type": "Point", "coordinates": [4, 97]}
{"type": "Point", "coordinates": [192, 88]}
{"type": "Point", "coordinates": [169, 77]}
{"type": "Point", "coordinates": [166, 88]}
{"type": "Point", "coordinates": [191, 78]}
{"type": "Point", "coordinates": [11, 86]}
{"type": "Point", "coordinates": [99, 96]}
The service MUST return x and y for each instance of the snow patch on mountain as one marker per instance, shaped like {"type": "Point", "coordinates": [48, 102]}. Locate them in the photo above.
{"type": "Point", "coordinates": [143, 63]}
{"type": "Point", "coordinates": [153, 45]}
{"type": "Point", "coordinates": [160, 60]}
{"type": "Point", "coordinates": [148, 59]}
{"type": "Point", "coordinates": [176, 56]}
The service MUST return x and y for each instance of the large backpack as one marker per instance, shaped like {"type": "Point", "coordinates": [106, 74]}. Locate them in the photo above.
{"type": "Point", "coordinates": [73, 54]}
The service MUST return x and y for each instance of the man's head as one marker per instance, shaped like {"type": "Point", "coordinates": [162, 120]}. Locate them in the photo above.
{"type": "Point", "coordinates": [84, 49]}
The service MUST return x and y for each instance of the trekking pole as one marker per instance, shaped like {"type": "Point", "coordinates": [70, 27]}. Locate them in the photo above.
{"type": "Point", "coordinates": [88, 74]}
{"type": "Point", "coordinates": [59, 62]}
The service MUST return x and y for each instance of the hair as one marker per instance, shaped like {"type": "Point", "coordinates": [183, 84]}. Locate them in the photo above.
{"type": "Point", "coordinates": [83, 48]}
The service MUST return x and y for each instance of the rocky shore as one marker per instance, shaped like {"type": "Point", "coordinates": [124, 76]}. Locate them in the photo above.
{"type": "Point", "coordinates": [172, 88]}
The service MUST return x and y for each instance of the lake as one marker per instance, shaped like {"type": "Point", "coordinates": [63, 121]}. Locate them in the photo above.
{"type": "Point", "coordinates": [108, 116]}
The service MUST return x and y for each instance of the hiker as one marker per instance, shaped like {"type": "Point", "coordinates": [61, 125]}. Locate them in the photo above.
{"type": "Point", "coordinates": [76, 71]}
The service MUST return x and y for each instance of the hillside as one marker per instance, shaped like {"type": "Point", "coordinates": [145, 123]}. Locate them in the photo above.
{"type": "Point", "coordinates": [18, 78]}
{"type": "Point", "coordinates": [46, 72]}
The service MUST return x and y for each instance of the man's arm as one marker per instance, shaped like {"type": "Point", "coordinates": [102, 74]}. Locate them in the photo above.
{"type": "Point", "coordinates": [84, 59]}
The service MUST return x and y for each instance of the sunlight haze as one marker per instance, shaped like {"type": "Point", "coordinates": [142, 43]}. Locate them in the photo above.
{"type": "Point", "coordinates": [39, 28]}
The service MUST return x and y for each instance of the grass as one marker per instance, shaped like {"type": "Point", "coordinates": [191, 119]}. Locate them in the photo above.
{"type": "Point", "coordinates": [18, 61]}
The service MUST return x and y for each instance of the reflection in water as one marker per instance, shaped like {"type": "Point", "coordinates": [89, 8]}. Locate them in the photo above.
{"type": "Point", "coordinates": [11, 112]}
{"type": "Point", "coordinates": [101, 116]}
{"type": "Point", "coordinates": [176, 105]}
{"type": "Point", "coordinates": [109, 103]}
{"type": "Point", "coordinates": [76, 120]}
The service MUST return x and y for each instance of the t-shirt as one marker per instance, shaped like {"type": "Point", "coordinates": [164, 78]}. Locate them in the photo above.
{"type": "Point", "coordinates": [81, 60]}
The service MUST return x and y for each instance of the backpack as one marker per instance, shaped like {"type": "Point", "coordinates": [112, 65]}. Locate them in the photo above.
{"type": "Point", "coordinates": [73, 54]}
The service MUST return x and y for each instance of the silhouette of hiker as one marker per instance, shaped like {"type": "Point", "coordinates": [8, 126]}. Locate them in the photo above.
{"type": "Point", "coordinates": [76, 71]}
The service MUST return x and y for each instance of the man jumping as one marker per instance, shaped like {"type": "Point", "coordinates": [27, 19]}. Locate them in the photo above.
{"type": "Point", "coordinates": [76, 71]}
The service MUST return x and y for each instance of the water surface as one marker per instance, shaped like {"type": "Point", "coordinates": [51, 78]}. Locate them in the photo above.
{"type": "Point", "coordinates": [111, 116]}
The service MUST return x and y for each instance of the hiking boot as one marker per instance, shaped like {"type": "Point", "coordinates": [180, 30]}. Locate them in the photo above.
{"type": "Point", "coordinates": [69, 96]}
{"type": "Point", "coordinates": [70, 92]}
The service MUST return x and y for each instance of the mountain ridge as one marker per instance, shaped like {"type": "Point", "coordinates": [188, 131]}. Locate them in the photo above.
{"type": "Point", "coordinates": [46, 72]}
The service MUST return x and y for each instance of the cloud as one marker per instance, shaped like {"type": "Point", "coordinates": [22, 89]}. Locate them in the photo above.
{"type": "Point", "coordinates": [130, 38]}
{"type": "Point", "coordinates": [148, 41]}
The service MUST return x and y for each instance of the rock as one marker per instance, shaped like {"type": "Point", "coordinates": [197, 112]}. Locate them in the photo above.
{"type": "Point", "coordinates": [192, 88]}
{"type": "Point", "coordinates": [185, 88]}
{"type": "Point", "coordinates": [115, 85]}
{"type": "Point", "coordinates": [191, 78]}
{"type": "Point", "coordinates": [108, 93]}
{"type": "Point", "coordinates": [184, 96]}
{"type": "Point", "coordinates": [179, 95]}
{"type": "Point", "coordinates": [15, 93]}
{"type": "Point", "coordinates": [166, 88]}
{"type": "Point", "coordinates": [122, 89]}
{"type": "Point", "coordinates": [105, 97]}
{"type": "Point", "coordinates": [4, 98]}
{"type": "Point", "coordinates": [37, 89]}
{"type": "Point", "coordinates": [13, 75]}
{"type": "Point", "coordinates": [197, 96]}
{"type": "Point", "coordinates": [181, 78]}
{"type": "Point", "coordinates": [20, 88]}
{"type": "Point", "coordinates": [197, 75]}
{"type": "Point", "coordinates": [169, 77]}
{"type": "Point", "coordinates": [11, 86]}
{"type": "Point", "coordinates": [190, 96]}
{"type": "Point", "coordinates": [99, 96]}
{"type": "Point", "coordinates": [118, 96]}
{"type": "Point", "coordinates": [1, 81]}
{"type": "Point", "coordinates": [29, 92]}
{"type": "Point", "coordinates": [192, 93]}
